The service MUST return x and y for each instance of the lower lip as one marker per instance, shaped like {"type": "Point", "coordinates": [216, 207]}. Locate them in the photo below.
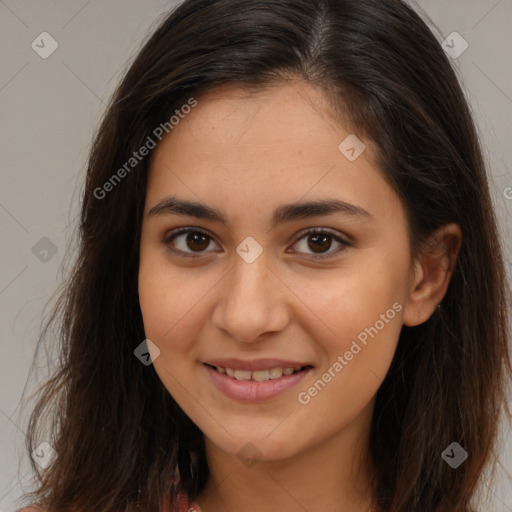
{"type": "Point", "coordinates": [251, 390]}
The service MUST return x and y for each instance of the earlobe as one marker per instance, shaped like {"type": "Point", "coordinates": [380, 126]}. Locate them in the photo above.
{"type": "Point", "coordinates": [434, 270]}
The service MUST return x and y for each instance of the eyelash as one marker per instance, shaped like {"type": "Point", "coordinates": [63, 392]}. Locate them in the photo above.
{"type": "Point", "coordinates": [312, 231]}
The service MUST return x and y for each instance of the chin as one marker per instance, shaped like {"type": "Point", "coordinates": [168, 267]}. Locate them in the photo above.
{"type": "Point", "coordinates": [252, 447]}
{"type": "Point", "coordinates": [261, 450]}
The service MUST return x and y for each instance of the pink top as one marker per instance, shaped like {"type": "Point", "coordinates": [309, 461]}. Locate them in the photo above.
{"type": "Point", "coordinates": [183, 506]}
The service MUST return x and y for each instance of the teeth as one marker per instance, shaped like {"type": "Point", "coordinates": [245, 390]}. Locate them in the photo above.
{"type": "Point", "coordinates": [260, 375]}
{"type": "Point", "coordinates": [275, 373]}
{"type": "Point", "coordinates": [242, 375]}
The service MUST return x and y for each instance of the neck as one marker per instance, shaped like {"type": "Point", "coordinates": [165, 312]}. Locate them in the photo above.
{"type": "Point", "coordinates": [333, 475]}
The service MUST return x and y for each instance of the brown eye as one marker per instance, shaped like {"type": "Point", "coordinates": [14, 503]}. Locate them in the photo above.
{"type": "Point", "coordinates": [197, 241]}
{"type": "Point", "coordinates": [189, 241]}
{"type": "Point", "coordinates": [319, 241]}
{"type": "Point", "coordinates": [192, 242]}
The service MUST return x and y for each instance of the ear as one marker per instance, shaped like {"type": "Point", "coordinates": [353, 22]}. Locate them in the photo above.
{"type": "Point", "coordinates": [432, 273]}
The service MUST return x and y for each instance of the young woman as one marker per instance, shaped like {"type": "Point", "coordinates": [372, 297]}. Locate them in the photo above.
{"type": "Point", "coordinates": [290, 291]}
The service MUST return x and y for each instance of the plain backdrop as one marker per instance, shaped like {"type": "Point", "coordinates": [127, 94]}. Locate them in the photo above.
{"type": "Point", "coordinates": [49, 110]}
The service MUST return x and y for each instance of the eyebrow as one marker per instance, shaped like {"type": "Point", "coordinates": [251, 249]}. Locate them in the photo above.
{"type": "Point", "coordinates": [284, 213]}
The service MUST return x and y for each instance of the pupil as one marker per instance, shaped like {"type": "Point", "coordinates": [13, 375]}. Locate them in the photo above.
{"type": "Point", "coordinates": [196, 238]}
{"type": "Point", "coordinates": [322, 239]}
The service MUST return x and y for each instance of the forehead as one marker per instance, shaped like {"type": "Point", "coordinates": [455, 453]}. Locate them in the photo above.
{"type": "Point", "coordinates": [283, 113]}
{"type": "Point", "coordinates": [274, 145]}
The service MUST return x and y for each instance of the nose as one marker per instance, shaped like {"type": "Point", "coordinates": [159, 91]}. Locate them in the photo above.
{"type": "Point", "coordinates": [252, 302]}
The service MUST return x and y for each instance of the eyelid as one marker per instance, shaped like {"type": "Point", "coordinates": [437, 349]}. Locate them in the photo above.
{"type": "Point", "coordinates": [344, 244]}
{"type": "Point", "coordinates": [169, 237]}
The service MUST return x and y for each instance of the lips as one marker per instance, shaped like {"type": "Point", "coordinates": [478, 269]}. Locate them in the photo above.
{"type": "Point", "coordinates": [257, 380]}
{"type": "Point", "coordinates": [256, 364]}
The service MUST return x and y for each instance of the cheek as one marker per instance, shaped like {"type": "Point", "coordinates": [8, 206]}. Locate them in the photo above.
{"type": "Point", "coordinates": [360, 325]}
{"type": "Point", "coordinates": [169, 321]}
{"type": "Point", "coordinates": [170, 306]}
{"type": "Point", "coordinates": [342, 307]}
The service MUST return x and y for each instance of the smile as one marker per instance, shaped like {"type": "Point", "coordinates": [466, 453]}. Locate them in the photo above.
{"type": "Point", "coordinates": [260, 375]}
{"type": "Point", "coordinates": [256, 385]}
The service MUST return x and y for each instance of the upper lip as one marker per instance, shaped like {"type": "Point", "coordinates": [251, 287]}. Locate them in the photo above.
{"type": "Point", "coordinates": [255, 364]}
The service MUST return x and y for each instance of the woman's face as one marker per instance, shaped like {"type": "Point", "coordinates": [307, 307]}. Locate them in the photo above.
{"type": "Point", "coordinates": [249, 290]}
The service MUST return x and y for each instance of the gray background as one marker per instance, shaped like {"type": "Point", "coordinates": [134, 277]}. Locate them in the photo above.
{"type": "Point", "coordinates": [50, 108]}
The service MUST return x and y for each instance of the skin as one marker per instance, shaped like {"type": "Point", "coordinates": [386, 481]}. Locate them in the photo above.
{"type": "Point", "coordinates": [246, 154]}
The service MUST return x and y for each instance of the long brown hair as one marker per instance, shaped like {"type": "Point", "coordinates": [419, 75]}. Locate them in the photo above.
{"type": "Point", "coordinates": [122, 441]}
